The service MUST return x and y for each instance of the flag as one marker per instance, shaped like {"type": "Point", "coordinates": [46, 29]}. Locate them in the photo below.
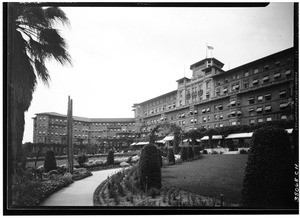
{"type": "Point", "coordinates": [210, 47]}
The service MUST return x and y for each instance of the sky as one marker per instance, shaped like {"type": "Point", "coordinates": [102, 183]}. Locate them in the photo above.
{"type": "Point", "coordinates": [123, 56]}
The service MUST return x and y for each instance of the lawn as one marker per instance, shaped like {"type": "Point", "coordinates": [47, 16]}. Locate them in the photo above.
{"type": "Point", "coordinates": [210, 176]}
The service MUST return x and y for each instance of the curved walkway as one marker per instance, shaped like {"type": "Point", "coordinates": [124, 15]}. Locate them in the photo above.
{"type": "Point", "coordinates": [79, 193]}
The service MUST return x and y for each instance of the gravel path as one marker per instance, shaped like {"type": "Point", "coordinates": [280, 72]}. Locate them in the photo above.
{"type": "Point", "coordinates": [79, 193]}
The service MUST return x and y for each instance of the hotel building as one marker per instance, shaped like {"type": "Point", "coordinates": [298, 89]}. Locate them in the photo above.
{"type": "Point", "coordinates": [259, 91]}
{"type": "Point", "coordinates": [51, 128]}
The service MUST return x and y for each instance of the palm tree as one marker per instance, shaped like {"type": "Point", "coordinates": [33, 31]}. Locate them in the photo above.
{"type": "Point", "coordinates": [32, 40]}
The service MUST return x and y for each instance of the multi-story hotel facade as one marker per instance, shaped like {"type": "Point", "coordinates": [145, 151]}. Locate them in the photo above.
{"type": "Point", "coordinates": [259, 91]}
{"type": "Point", "coordinates": [51, 128]}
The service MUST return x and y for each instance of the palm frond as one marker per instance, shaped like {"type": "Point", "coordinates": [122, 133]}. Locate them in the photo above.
{"type": "Point", "coordinates": [34, 16]}
{"type": "Point", "coordinates": [42, 71]}
{"type": "Point", "coordinates": [56, 14]}
{"type": "Point", "coordinates": [55, 46]}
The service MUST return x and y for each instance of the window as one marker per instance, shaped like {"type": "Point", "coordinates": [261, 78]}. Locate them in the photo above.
{"type": "Point", "coordinates": [288, 72]}
{"type": "Point", "coordinates": [277, 75]}
{"type": "Point", "coordinates": [268, 97]}
{"type": "Point", "coordinates": [252, 121]}
{"type": "Point", "coordinates": [260, 120]}
{"type": "Point", "coordinates": [259, 110]}
{"type": "Point", "coordinates": [207, 84]}
{"type": "Point", "coordinates": [204, 119]}
{"type": "Point", "coordinates": [283, 117]}
{"type": "Point", "coordinates": [268, 119]}
{"type": "Point", "coordinates": [208, 109]}
{"type": "Point", "coordinates": [221, 117]}
{"type": "Point", "coordinates": [255, 70]}
{"type": "Point", "coordinates": [266, 67]}
{"type": "Point", "coordinates": [220, 107]}
{"type": "Point", "coordinates": [282, 106]}
{"type": "Point", "coordinates": [268, 108]}
{"type": "Point", "coordinates": [225, 90]}
{"type": "Point", "coordinates": [233, 123]}
{"type": "Point", "coordinates": [246, 85]}
{"type": "Point", "coordinates": [246, 73]}
{"type": "Point", "coordinates": [260, 98]}
{"type": "Point", "coordinates": [221, 125]}
{"type": "Point", "coordinates": [208, 118]}
{"type": "Point", "coordinates": [216, 116]}
{"type": "Point", "coordinates": [265, 79]}
{"type": "Point", "coordinates": [255, 82]}
{"type": "Point", "coordinates": [282, 94]}
{"type": "Point", "coordinates": [277, 63]}
{"type": "Point", "coordinates": [251, 100]}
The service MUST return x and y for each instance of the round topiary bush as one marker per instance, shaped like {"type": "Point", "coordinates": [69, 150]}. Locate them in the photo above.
{"type": "Point", "coordinates": [268, 180]}
{"type": "Point", "coordinates": [50, 161]}
{"type": "Point", "coordinates": [81, 159]}
{"type": "Point", "coordinates": [171, 156]}
{"type": "Point", "coordinates": [110, 158]}
{"type": "Point", "coordinates": [149, 168]}
{"type": "Point", "coordinates": [190, 153]}
{"type": "Point", "coordinates": [183, 154]}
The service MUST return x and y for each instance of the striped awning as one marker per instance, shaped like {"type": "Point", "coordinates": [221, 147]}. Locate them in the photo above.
{"type": "Point", "coordinates": [142, 143]}
{"type": "Point", "coordinates": [168, 138]}
{"type": "Point", "coordinates": [239, 135]}
{"type": "Point", "coordinates": [213, 137]}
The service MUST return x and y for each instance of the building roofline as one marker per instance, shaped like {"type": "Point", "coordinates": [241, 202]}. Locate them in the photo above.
{"type": "Point", "coordinates": [163, 95]}
{"type": "Point", "coordinates": [179, 80]}
{"type": "Point", "coordinates": [262, 59]}
{"type": "Point", "coordinates": [202, 61]}
{"type": "Point", "coordinates": [85, 119]}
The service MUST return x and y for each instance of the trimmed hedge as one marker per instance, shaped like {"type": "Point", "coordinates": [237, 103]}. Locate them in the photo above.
{"type": "Point", "coordinates": [110, 158]}
{"type": "Point", "coordinates": [268, 180]}
{"type": "Point", "coordinates": [183, 154]}
{"type": "Point", "coordinates": [50, 161]}
{"type": "Point", "coordinates": [149, 168]}
{"type": "Point", "coordinates": [196, 151]}
{"type": "Point", "coordinates": [190, 153]}
{"type": "Point", "coordinates": [171, 156]}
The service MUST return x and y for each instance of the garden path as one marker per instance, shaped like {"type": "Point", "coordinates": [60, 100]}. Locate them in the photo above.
{"type": "Point", "coordinates": [79, 193]}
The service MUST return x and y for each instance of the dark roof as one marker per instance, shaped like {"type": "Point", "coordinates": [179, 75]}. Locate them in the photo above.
{"type": "Point", "coordinates": [219, 63]}
{"type": "Point", "coordinates": [286, 51]}
{"type": "Point", "coordinates": [161, 96]}
{"type": "Point", "coordinates": [85, 119]}
{"type": "Point", "coordinates": [180, 80]}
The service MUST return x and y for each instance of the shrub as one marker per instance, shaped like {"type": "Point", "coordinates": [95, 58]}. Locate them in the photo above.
{"type": "Point", "coordinates": [214, 152]}
{"type": "Point", "coordinates": [243, 151]}
{"type": "Point", "coordinates": [159, 153]}
{"type": "Point", "coordinates": [268, 180]}
{"type": "Point", "coordinates": [149, 168]}
{"type": "Point", "coordinates": [183, 154]}
{"type": "Point", "coordinates": [153, 192]}
{"type": "Point", "coordinates": [196, 151]}
{"type": "Point", "coordinates": [81, 159]}
{"type": "Point", "coordinates": [50, 161]}
{"type": "Point", "coordinates": [110, 158]}
{"type": "Point", "coordinates": [190, 153]}
{"type": "Point", "coordinates": [171, 157]}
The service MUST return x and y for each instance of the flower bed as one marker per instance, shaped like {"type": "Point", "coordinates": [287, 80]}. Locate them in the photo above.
{"type": "Point", "coordinates": [35, 186]}
{"type": "Point", "coordinates": [122, 189]}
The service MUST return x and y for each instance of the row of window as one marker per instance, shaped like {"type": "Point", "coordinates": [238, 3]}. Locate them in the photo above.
{"type": "Point", "coordinates": [267, 97]}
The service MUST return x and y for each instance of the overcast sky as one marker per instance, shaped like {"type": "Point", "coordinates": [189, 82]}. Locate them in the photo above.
{"type": "Point", "coordinates": [123, 56]}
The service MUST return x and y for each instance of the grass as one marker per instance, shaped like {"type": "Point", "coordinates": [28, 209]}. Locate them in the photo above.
{"type": "Point", "coordinates": [210, 176]}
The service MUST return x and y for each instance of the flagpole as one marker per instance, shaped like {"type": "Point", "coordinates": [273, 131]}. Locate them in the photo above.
{"type": "Point", "coordinates": [206, 51]}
